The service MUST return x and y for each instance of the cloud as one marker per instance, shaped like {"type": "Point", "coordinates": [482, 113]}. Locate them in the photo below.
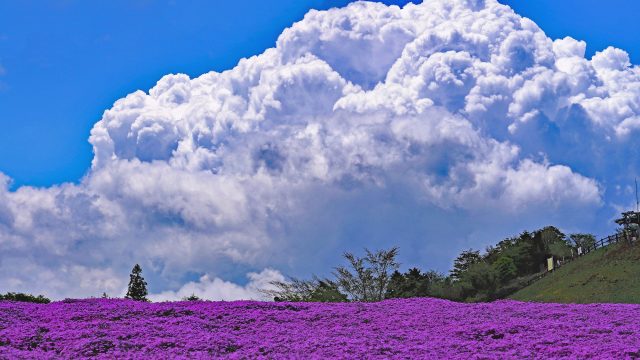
{"type": "Point", "coordinates": [435, 127]}
{"type": "Point", "coordinates": [207, 288]}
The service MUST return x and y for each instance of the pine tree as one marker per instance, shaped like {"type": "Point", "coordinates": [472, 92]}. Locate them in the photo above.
{"type": "Point", "coordinates": [137, 286]}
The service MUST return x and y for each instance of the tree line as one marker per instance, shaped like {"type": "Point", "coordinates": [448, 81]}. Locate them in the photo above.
{"type": "Point", "coordinates": [136, 290]}
{"type": "Point", "coordinates": [497, 272]}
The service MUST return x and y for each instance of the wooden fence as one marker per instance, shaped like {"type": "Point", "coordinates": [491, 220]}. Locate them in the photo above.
{"type": "Point", "coordinates": [604, 242]}
{"type": "Point", "coordinates": [611, 239]}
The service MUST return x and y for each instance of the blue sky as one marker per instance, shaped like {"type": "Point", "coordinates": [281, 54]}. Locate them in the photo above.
{"type": "Point", "coordinates": [65, 62]}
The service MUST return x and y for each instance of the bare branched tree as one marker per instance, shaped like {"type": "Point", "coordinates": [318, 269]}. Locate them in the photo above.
{"type": "Point", "coordinates": [294, 290]}
{"type": "Point", "coordinates": [367, 279]}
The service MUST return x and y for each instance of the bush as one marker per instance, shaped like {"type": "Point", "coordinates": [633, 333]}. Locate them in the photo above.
{"type": "Point", "coordinates": [482, 278]}
{"type": "Point", "coordinates": [454, 291]}
{"type": "Point", "coordinates": [25, 298]}
{"type": "Point", "coordinates": [192, 297]}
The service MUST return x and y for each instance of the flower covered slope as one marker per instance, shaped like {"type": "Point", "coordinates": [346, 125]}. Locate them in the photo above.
{"type": "Point", "coordinates": [415, 328]}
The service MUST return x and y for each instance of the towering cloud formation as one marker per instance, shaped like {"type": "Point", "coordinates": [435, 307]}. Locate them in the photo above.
{"type": "Point", "coordinates": [434, 127]}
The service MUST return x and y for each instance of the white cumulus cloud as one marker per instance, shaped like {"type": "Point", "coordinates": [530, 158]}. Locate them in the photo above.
{"type": "Point", "coordinates": [434, 127]}
{"type": "Point", "coordinates": [207, 288]}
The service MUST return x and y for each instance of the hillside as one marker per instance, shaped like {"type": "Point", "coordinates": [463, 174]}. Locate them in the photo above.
{"type": "Point", "coordinates": [393, 329]}
{"type": "Point", "coordinates": [608, 275]}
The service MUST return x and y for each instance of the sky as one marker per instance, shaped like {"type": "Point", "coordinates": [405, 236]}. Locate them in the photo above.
{"type": "Point", "coordinates": [436, 127]}
{"type": "Point", "coordinates": [76, 58]}
{"type": "Point", "coordinates": [92, 54]}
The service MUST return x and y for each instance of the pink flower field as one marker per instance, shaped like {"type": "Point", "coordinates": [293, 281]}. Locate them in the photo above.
{"type": "Point", "coordinates": [393, 329]}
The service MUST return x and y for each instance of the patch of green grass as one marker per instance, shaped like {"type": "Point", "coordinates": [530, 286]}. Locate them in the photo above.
{"type": "Point", "coordinates": [608, 275]}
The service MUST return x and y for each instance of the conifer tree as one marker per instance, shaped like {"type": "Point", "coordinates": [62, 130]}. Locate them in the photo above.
{"type": "Point", "coordinates": [137, 286]}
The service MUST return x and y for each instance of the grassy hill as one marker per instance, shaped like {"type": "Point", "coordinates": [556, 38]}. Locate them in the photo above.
{"type": "Point", "coordinates": [610, 275]}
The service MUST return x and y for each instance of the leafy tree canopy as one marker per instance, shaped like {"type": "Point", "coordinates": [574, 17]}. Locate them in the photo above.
{"type": "Point", "coordinates": [506, 269]}
{"type": "Point", "coordinates": [582, 240]}
{"type": "Point", "coordinates": [463, 262]}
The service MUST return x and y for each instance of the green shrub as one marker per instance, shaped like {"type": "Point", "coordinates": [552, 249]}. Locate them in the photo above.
{"type": "Point", "coordinates": [25, 298]}
{"type": "Point", "coordinates": [192, 297]}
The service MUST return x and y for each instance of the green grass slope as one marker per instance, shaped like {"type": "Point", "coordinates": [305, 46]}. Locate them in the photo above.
{"type": "Point", "coordinates": [608, 275]}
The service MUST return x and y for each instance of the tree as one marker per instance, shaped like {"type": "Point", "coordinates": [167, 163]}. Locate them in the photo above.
{"type": "Point", "coordinates": [413, 283]}
{"type": "Point", "coordinates": [463, 262]}
{"type": "Point", "coordinates": [542, 240]}
{"type": "Point", "coordinates": [137, 286]}
{"type": "Point", "coordinates": [314, 290]}
{"type": "Point", "coordinates": [492, 253]}
{"type": "Point", "coordinates": [524, 257]}
{"type": "Point", "coordinates": [446, 288]}
{"type": "Point", "coordinates": [293, 290]}
{"type": "Point", "coordinates": [367, 279]}
{"type": "Point", "coordinates": [482, 278]}
{"type": "Point", "coordinates": [551, 234]}
{"type": "Point", "coordinates": [327, 291]}
{"type": "Point", "coordinates": [506, 269]}
{"type": "Point", "coordinates": [560, 249]}
{"type": "Point", "coordinates": [584, 241]}
{"type": "Point", "coordinates": [397, 286]}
